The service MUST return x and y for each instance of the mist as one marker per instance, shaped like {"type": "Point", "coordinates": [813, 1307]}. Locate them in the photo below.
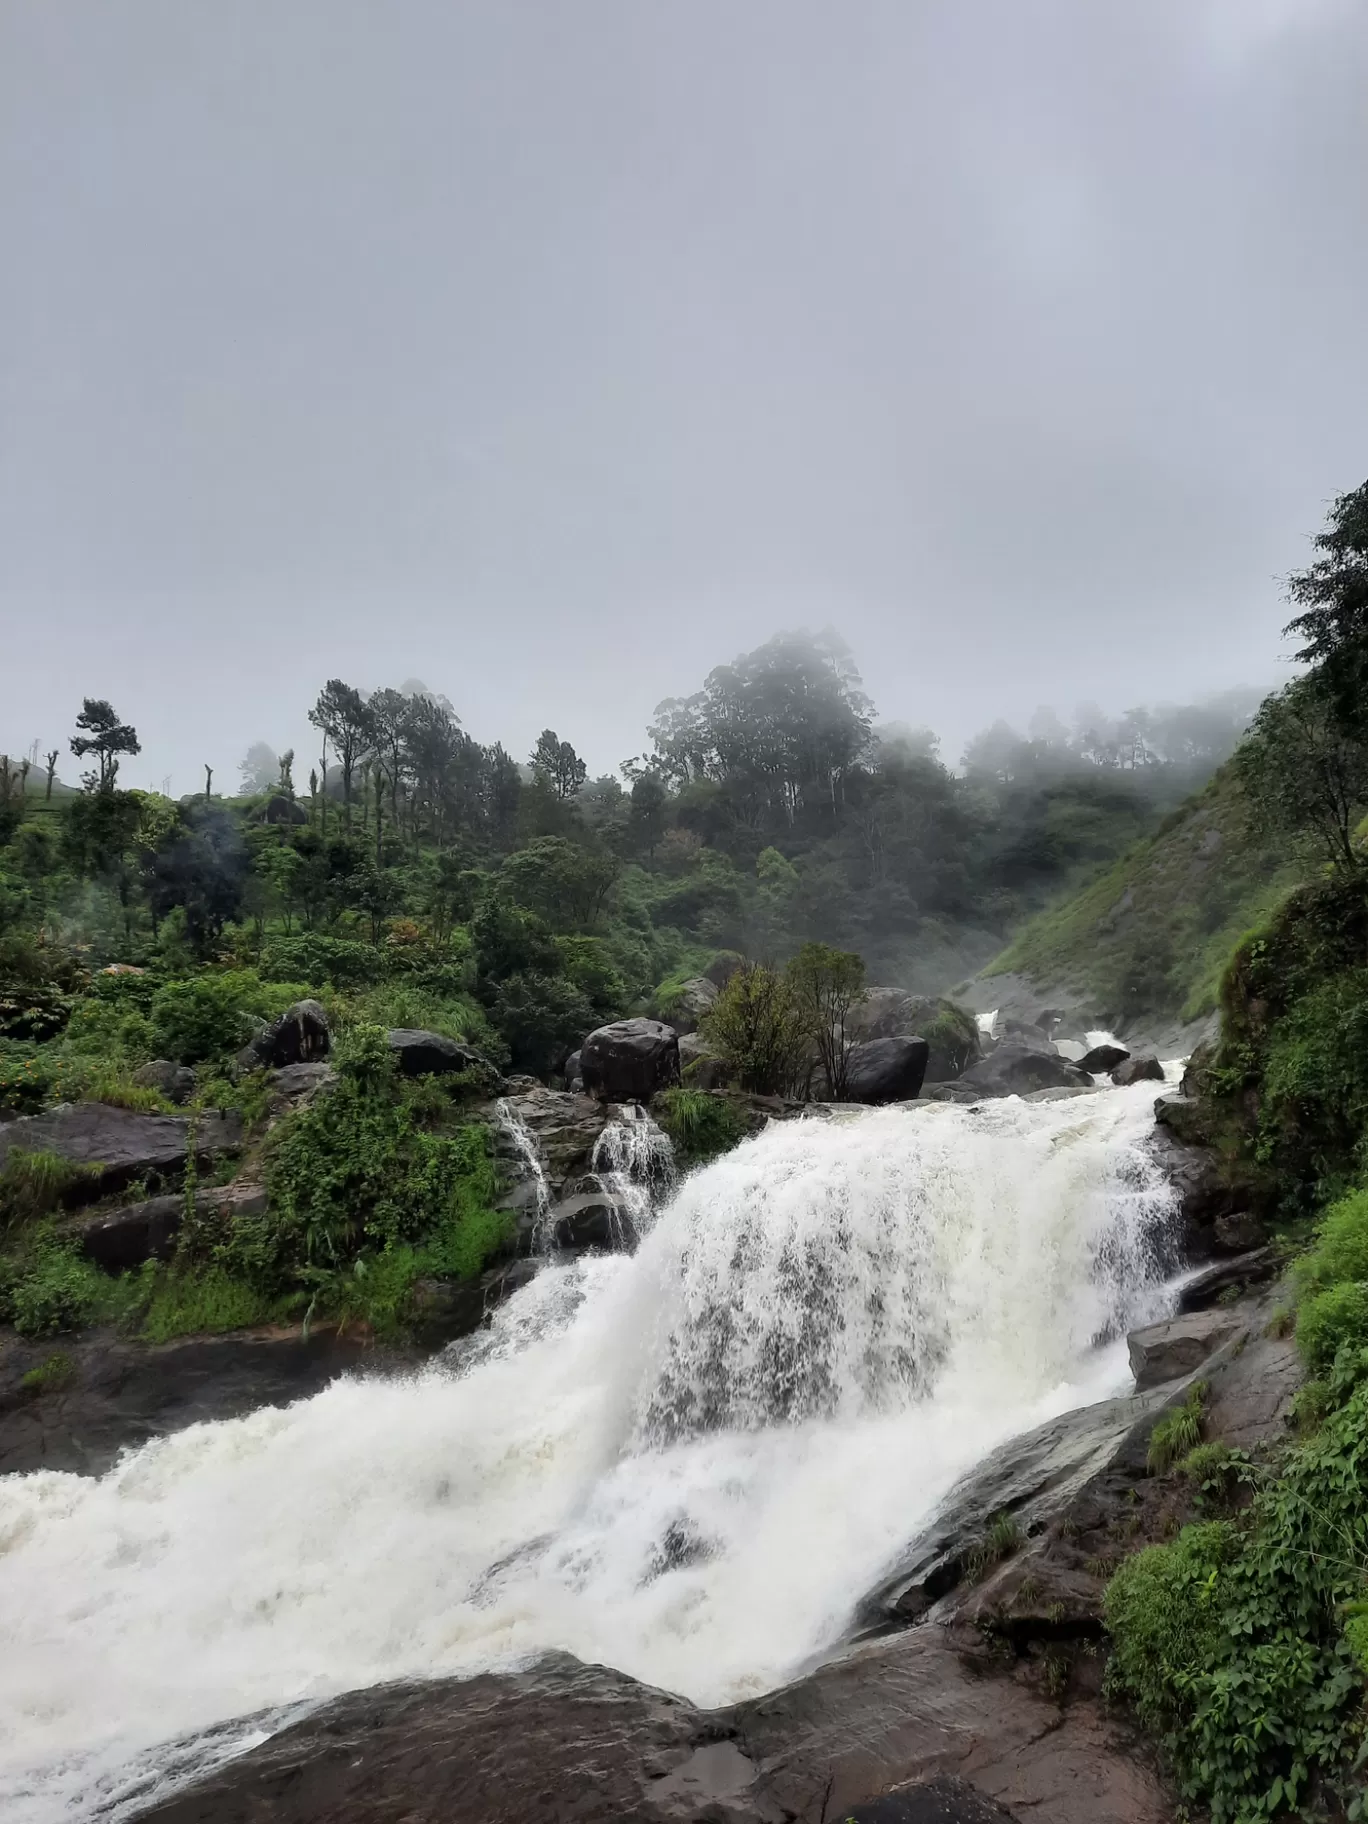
{"type": "Point", "coordinates": [556, 357]}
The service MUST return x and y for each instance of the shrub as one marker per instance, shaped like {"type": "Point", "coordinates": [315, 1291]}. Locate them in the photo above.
{"type": "Point", "coordinates": [1328, 1320]}
{"type": "Point", "coordinates": [757, 1027]}
{"type": "Point", "coordinates": [700, 1126]}
{"type": "Point", "coordinates": [541, 1017]}
{"type": "Point", "coordinates": [33, 1184]}
{"type": "Point", "coordinates": [207, 1301]}
{"type": "Point", "coordinates": [1341, 1249]}
{"type": "Point", "coordinates": [339, 962]}
{"type": "Point", "coordinates": [52, 1373]}
{"type": "Point", "coordinates": [207, 1016]}
{"type": "Point", "coordinates": [1178, 1432]}
{"type": "Point", "coordinates": [52, 1291]}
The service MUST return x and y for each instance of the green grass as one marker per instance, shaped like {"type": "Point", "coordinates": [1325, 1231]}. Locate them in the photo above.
{"type": "Point", "coordinates": [701, 1126]}
{"type": "Point", "coordinates": [1000, 1541]}
{"type": "Point", "coordinates": [1179, 1432]}
{"type": "Point", "coordinates": [204, 1302]}
{"type": "Point", "coordinates": [1152, 934]}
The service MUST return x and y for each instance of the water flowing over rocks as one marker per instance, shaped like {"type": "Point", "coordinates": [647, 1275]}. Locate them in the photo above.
{"type": "Point", "coordinates": [1019, 1064]}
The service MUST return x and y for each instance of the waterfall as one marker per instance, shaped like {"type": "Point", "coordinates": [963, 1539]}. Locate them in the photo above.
{"type": "Point", "coordinates": [689, 1462]}
{"type": "Point", "coordinates": [525, 1151]}
{"type": "Point", "coordinates": [634, 1162]}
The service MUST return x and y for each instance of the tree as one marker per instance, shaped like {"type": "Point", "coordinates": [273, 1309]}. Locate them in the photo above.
{"type": "Point", "coordinates": [342, 715]}
{"type": "Point", "coordinates": [646, 817]}
{"type": "Point", "coordinates": [285, 784]}
{"type": "Point", "coordinates": [105, 737]}
{"type": "Point", "coordinates": [51, 762]}
{"type": "Point", "coordinates": [827, 987]}
{"type": "Point", "coordinates": [100, 843]}
{"type": "Point", "coordinates": [1303, 772]}
{"type": "Point", "coordinates": [201, 867]}
{"type": "Point", "coordinates": [566, 883]}
{"type": "Point", "coordinates": [558, 764]}
{"type": "Point", "coordinates": [1333, 597]}
{"type": "Point", "coordinates": [757, 1028]}
{"type": "Point", "coordinates": [391, 713]}
{"type": "Point", "coordinates": [258, 769]}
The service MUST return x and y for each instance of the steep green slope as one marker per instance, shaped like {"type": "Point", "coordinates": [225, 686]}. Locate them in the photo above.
{"type": "Point", "coordinates": [1151, 935]}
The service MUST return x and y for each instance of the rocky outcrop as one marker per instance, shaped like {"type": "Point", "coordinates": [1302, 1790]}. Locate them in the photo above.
{"type": "Point", "coordinates": [1137, 1070]}
{"type": "Point", "coordinates": [886, 1070]}
{"type": "Point", "coordinates": [951, 1032]}
{"type": "Point", "coordinates": [113, 1146]}
{"type": "Point", "coordinates": [1224, 1277]}
{"type": "Point", "coordinates": [591, 1219]}
{"type": "Point", "coordinates": [300, 1036]}
{"type": "Point", "coordinates": [1213, 1201]}
{"type": "Point", "coordinates": [1018, 1065]}
{"type": "Point", "coordinates": [432, 1054]}
{"type": "Point", "coordinates": [1103, 1059]}
{"type": "Point", "coordinates": [904, 1731]}
{"type": "Point", "coordinates": [298, 1083]}
{"type": "Point", "coordinates": [570, 1070]}
{"type": "Point", "coordinates": [1177, 1347]}
{"type": "Point", "coordinates": [174, 1081]}
{"type": "Point", "coordinates": [629, 1060]}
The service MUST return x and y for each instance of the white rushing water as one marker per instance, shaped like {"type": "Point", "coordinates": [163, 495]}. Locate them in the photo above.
{"type": "Point", "coordinates": [689, 1463]}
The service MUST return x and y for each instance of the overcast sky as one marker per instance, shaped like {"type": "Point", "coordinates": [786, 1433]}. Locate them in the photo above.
{"type": "Point", "coordinates": [555, 352]}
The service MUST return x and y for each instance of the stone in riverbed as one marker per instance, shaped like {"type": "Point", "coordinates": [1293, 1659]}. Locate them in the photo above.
{"type": "Point", "coordinates": [1103, 1058]}
{"type": "Point", "coordinates": [1018, 1065]}
{"type": "Point", "coordinates": [886, 1070]}
{"type": "Point", "coordinates": [1137, 1070]}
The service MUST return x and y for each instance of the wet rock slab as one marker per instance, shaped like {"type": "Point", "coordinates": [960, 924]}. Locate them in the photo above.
{"type": "Point", "coordinates": [901, 1732]}
{"type": "Point", "coordinates": [116, 1145]}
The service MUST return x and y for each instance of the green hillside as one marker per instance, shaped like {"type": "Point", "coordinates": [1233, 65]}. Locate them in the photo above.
{"type": "Point", "coordinates": [1151, 936]}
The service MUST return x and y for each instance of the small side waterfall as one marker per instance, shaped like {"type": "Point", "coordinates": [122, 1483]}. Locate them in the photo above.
{"type": "Point", "coordinates": [634, 1162]}
{"type": "Point", "coordinates": [525, 1151]}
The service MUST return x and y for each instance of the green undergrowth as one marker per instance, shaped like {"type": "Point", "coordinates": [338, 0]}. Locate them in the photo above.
{"type": "Point", "coordinates": [1243, 1644]}
{"type": "Point", "coordinates": [701, 1126]}
{"type": "Point", "coordinates": [1151, 936]}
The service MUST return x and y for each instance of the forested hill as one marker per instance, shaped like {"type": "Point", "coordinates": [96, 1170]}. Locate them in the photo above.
{"type": "Point", "coordinates": [1144, 944]}
{"type": "Point", "coordinates": [770, 808]}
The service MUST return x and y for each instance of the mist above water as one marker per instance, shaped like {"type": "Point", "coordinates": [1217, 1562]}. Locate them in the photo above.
{"type": "Point", "coordinates": [689, 1463]}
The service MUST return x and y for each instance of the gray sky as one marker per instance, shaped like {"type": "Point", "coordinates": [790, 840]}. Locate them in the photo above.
{"type": "Point", "coordinates": [556, 352]}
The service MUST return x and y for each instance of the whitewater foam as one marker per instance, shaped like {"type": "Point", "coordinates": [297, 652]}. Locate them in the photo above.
{"type": "Point", "coordinates": [689, 1463]}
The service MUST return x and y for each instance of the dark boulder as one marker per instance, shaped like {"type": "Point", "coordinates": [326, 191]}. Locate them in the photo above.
{"type": "Point", "coordinates": [300, 1036]}
{"type": "Point", "coordinates": [1137, 1070]}
{"type": "Point", "coordinates": [1204, 1190]}
{"type": "Point", "coordinates": [1015, 1066]}
{"type": "Point", "coordinates": [431, 1054]}
{"type": "Point", "coordinates": [950, 1031]}
{"type": "Point", "coordinates": [112, 1146]}
{"type": "Point", "coordinates": [1103, 1058]}
{"type": "Point", "coordinates": [174, 1081]}
{"type": "Point", "coordinates": [630, 1060]}
{"type": "Point", "coordinates": [295, 1082]}
{"type": "Point", "coordinates": [723, 967]}
{"type": "Point", "coordinates": [570, 1070]}
{"type": "Point", "coordinates": [1227, 1276]}
{"type": "Point", "coordinates": [886, 1070]}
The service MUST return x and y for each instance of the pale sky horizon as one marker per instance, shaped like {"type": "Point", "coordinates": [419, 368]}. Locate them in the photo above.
{"type": "Point", "coordinates": [556, 355]}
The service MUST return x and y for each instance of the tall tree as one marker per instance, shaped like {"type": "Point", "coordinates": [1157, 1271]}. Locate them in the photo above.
{"type": "Point", "coordinates": [1332, 595]}
{"type": "Point", "coordinates": [344, 718]}
{"type": "Point", "coordinates": [558, 764]}
{"type": "Point", "coordinates": [107, 738]}
{"type": "Point", "coordinates": [391, 712]}
{"type": "Point", "coordinates": [828, 985]}
{"type": "Point", "coordinates": [259, 768]}
{"type": "Point", "coordinates": [51, 763]}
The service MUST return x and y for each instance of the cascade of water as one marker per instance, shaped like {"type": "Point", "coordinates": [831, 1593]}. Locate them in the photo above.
{"type": "Point", "coordinates": [525, 1151]}
{"type": "Point", "coordinates": [634, 1162]}
{"type": "Point", "coordinates": [689, 1462]}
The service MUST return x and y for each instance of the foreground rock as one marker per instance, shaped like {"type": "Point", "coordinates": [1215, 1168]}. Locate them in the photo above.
{"type": "Point", "coordinates": [886, 1070]}
{"type": "Point", "coordinates": [1137, 1070]}
{"type": "Point", "coordinates": [113, 1146]}
{"type": "Point", "coordinates": [629, 1060]}
{"type": "Point", "coordinates": [1102, 1059]}
{"type": "Point", "coordinates": [565, 1743]}
{"type": "Point", "coordinates": [1019, 1065]}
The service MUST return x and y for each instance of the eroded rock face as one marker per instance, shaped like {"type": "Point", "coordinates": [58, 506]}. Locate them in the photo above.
{"type": "Point", "coordinates": [630, 1060]}
{"type": "Point", "coordinates": [119, 1239]}
{"type": "Point", "coordinates": [117, 1145]}
{"type": "Point", "coordinates": [886, 1070]}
